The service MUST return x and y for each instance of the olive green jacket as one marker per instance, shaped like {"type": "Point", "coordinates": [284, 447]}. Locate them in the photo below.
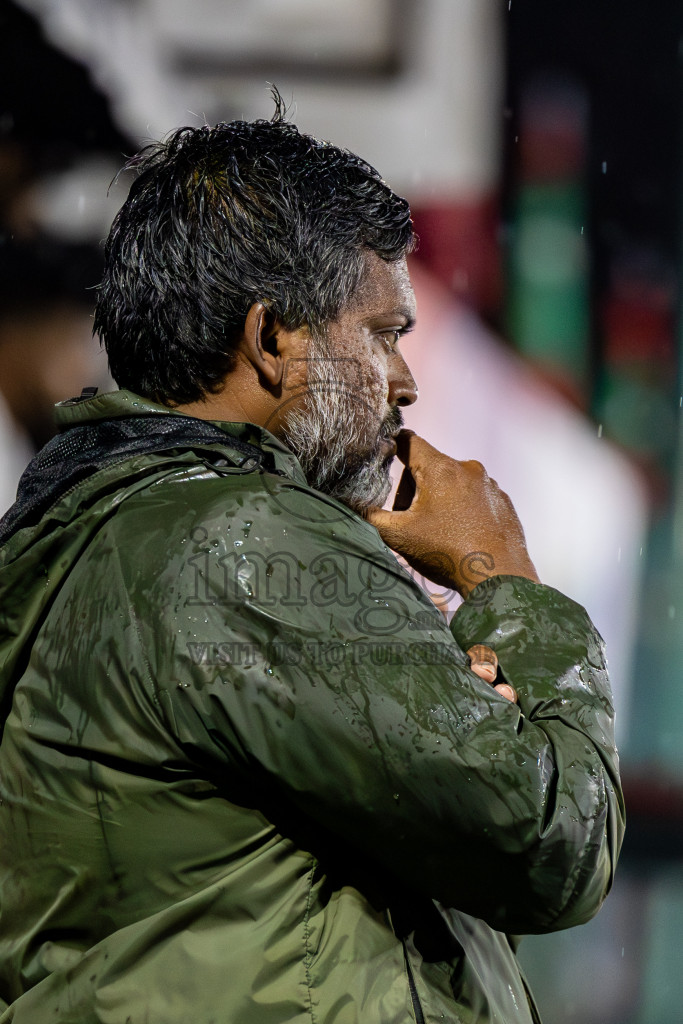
{"type": "Point", "coordinates": [247, 777]}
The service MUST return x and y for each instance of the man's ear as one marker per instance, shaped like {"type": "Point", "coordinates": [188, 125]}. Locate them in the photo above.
{"type": "Point", "coordinates": [267, 344]}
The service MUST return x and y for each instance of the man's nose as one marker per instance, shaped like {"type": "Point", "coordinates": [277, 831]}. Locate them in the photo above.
{"type": "Point", "coordinates": [402, 386]}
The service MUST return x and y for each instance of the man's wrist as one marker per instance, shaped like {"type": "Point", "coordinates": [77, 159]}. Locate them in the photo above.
{"type": "Point", "coordinates": [477, 566]}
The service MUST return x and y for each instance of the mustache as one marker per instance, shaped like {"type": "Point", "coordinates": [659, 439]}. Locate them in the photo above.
{"type": "Point", "coordinates": [391, 424]}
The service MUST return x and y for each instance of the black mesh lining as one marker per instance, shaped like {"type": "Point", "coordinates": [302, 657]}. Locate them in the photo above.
{"type": "Point", "coordinates": [78, 452]}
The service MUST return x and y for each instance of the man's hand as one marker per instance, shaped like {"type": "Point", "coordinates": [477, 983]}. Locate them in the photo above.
{"type": "Point", "coordinates": [450, 521]}
{"type": "Point", "coordinates": [484, 663]}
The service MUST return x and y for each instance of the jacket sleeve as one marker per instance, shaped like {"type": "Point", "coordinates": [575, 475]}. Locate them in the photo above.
{"type": "Point", "coordinates": [549, 650]}
{"type": "Point", "coordinates": [294, 650]}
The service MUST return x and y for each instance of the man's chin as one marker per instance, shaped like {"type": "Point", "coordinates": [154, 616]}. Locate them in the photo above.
{"type": "Point", "coordinates": [367, 487]}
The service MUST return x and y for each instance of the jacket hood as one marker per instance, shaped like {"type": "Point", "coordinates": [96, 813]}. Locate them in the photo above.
{"type": "Point", "coordinates": [73, 485]}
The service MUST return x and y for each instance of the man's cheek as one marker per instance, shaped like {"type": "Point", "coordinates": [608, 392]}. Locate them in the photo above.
{"type": "Point", "coordinates": [375, 394]}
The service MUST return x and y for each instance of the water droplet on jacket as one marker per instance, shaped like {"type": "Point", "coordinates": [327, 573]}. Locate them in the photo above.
{"type": "Point", "coordinates": [245, 575]}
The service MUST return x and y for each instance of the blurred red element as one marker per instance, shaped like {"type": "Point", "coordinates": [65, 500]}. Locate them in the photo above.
{"type": "Point", "coordinates": [459, 244]}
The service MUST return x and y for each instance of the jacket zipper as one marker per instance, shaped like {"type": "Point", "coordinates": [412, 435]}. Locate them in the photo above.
{"type": "Point", "coordinates": [417, 1008]}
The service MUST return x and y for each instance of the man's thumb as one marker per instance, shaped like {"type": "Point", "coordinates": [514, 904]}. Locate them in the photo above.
{"type": "Point", "coordinates": [384, 522]}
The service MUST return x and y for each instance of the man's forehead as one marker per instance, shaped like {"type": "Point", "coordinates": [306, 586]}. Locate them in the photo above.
{"type": "Point", "coordinates": [384, 288]}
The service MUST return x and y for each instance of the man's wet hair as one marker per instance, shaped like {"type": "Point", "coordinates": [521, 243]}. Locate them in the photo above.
{"type": "Point", "coordinates": [219, 218]}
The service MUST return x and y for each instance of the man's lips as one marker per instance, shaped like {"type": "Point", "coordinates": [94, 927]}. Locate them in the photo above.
{"type": "Point", "coordinates": [391, 428]}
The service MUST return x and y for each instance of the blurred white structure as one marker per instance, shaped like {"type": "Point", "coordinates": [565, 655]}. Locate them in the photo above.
{"type": "Point", "coordinates": [414, 88]}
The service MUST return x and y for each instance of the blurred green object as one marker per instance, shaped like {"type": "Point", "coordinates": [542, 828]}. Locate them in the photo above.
{"type": "Point", "coordinates": [548, 300]}
{"type": "Point", "coordinates": [637, 414]}
{"type": "Point", "coordinates": [655, 737]}
{"type": "Point", "coordinates": [661, 998]}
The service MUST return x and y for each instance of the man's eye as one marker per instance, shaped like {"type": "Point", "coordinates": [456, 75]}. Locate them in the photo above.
{"type": "Point", "coordinates": [390, 338]}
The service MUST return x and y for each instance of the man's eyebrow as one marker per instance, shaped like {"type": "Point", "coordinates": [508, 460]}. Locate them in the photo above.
{"type": "Point", "coordinates": [399, 312]}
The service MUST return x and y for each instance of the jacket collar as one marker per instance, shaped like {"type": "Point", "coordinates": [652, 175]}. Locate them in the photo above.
{"type": "Point", "coordinates": [119, 404]}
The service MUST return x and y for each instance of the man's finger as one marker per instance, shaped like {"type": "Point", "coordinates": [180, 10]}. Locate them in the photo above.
{"type": "Point", "coordinates": [413, 450]}
{"type": "Point", "coordinates": [483, 662]}
{"type": "Point", "coordinates": [507, 691]}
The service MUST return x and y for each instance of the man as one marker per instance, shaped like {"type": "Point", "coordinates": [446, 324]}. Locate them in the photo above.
{"type": "Point", "coordinates": [248, 773]}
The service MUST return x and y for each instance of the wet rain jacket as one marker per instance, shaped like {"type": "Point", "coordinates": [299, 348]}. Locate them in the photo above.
{"type": "Point", "coordinates": [246, 775]}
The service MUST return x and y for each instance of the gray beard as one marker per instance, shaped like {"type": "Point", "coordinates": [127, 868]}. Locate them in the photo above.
{"type": "Point", "coordinates": [337, 438]}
